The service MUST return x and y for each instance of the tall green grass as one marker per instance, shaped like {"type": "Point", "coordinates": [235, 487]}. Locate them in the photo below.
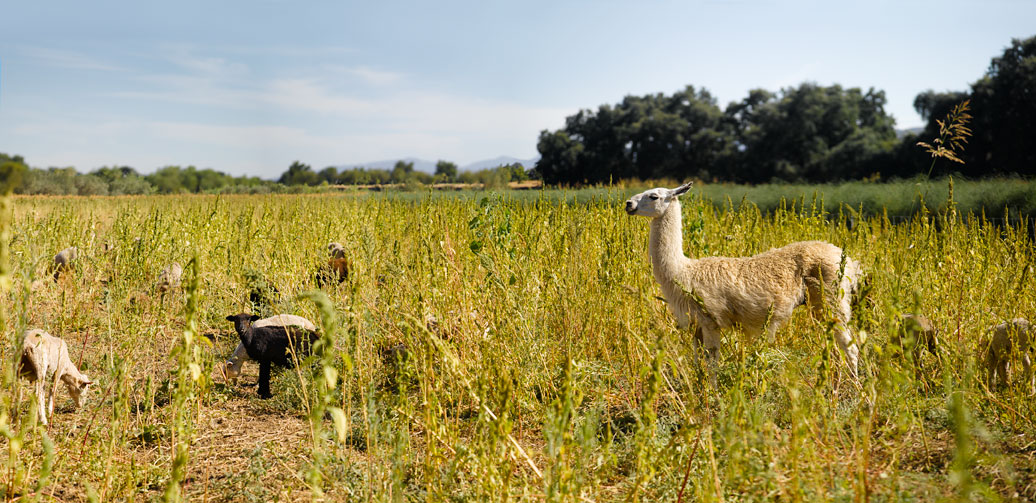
{"type": "Point", "coordinates": [551, 371]}
{"type": "Point", "coordinates": [997, 199]}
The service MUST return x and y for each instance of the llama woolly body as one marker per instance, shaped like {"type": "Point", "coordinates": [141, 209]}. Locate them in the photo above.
{"type": "Point", "coordinates": [757, 293]}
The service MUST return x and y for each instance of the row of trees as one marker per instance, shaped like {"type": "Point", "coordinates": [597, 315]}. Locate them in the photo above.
{"type": "Point", "coordinates": [121, 180]}
{"type": "Point", "coordinates": [124, 180]}
{"type": "Point", "coordinates": [807, 133]}
{"type": "Point", "coordinates": [402, 173]}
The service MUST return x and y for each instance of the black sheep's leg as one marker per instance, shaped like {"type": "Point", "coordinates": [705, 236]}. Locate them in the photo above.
{"type": "Point", "coordinates": [264, 380]}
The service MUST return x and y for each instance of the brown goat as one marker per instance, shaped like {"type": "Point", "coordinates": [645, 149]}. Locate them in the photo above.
{"type": "Point", "coordinates": [337, 268]}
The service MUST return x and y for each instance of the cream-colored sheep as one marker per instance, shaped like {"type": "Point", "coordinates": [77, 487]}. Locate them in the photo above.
{"type": "Point", "coordinates": [233, 366]}
{"type": "Point", "coordinates": [43, 355]}
{"type": "Point", "coordinates": [1004, 341]}
{"type": "Point", "coordinates": [757, 293]}
{"type": "Point", "coordinates": [169, 277]}
{"type": "Point", "coordinates": [63, 261]}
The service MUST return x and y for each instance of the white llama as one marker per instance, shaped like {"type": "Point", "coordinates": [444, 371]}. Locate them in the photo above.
{"type": "Point", "coordinates": [754, 293]}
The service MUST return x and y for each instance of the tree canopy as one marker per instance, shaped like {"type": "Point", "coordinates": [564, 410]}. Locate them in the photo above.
{"type": "Point", "coordinates": [804, 133]}
{"type": "Point", "coordinates": [808, 133]}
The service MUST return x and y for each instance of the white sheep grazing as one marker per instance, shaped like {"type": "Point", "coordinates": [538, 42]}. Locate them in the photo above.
{"type": "Point", "coordinates": [754, 293]}
{"type": "Point", "coordinates": [1005, 341]}
{"type": "Point", "coordinates": [169, 278]}
{"type": "Point", "coordinates": [233, 367]}
{"type": "Point", "coordinates": [43, 355]}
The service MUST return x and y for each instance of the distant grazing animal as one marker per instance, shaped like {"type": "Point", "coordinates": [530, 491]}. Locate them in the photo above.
{"type": "Point", "coordinates": [43, 355]}
{"type": "Point", "coordinates": [271, 345]}
{"type": "Point", "coordinates": [169, 278]}
{"type": "Point", "coordinates": [64, 261]}
{"type": "Point", "coordinates": [337, 268]}
{"type": "Point", "coordinates": [240, 356]}
{"type": "Point", "coordinates": [916, 333]}
{"type": "Point", "coordinates": [756, 293]}
{"type": "Point", "coordinates": [1006, 341]}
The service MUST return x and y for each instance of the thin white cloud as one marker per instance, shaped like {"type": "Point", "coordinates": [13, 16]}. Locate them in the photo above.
{"type": "Point", "coordinates": [375, 76]}
{"type": "Point", "coordinates": [68, 59]}
{"type": "Point", "coordinates": [186, 58]}
{"type": "Point", "coordinates": [309, 95]}
{"type": "Point", "coordinates": [283, 50]}
{"type": "Point", "coordinates": [236, 136]}
{"type": "Point", "coordinates": [330, 114]}
{"type": "Point", "coordinates": [364, 74]}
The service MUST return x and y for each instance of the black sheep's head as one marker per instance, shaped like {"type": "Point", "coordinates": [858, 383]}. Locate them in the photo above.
{"type": "Point", "coordinates": [242, 321]}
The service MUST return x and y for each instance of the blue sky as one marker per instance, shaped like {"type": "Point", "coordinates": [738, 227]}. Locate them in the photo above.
{"type": "Point", "coordinates": [248, 87]}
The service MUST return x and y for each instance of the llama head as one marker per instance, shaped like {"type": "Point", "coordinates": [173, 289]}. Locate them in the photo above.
{"type": "Point", "coordinates": [654, 203]}
{"type": "Point", "coordinates": [77, 386]}
{"type": "Point", "coordinates": [242, 321]}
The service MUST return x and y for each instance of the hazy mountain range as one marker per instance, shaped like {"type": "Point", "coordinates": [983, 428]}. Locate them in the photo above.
{"type": "Point", "coordinates": [429, 166]}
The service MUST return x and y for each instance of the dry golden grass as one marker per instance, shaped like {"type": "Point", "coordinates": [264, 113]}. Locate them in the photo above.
{"type": "Point", "coordinates": [552, 371]}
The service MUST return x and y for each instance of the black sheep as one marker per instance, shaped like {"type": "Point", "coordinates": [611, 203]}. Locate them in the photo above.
{"type": "Point", "coordinates": [271, 345]}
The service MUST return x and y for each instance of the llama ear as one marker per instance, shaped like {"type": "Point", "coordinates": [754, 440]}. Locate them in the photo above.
{"type": "Point", "coordinates": [230, 318]}
{"type": "Point", "coordinates": [254, 317]}
{"type": "Point", "coordinates": [679, 191]}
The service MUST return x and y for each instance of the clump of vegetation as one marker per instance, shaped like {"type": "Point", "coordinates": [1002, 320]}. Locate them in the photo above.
{"type": "Point", "coordinates": [263, 295]}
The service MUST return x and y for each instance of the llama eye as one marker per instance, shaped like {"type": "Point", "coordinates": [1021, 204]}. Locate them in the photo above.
{"type": "Point", "coordinates": [654, 196]}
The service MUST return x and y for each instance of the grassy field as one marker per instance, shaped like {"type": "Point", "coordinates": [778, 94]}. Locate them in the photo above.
{"type": "Point", "coordinates": [553, 371]}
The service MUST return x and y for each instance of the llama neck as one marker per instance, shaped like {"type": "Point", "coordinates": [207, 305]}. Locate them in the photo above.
{"type": "Point", "coordinates": [666, 244]}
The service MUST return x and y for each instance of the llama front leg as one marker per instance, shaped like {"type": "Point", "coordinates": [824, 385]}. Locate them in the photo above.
{"type": "Point", "coordinates": [711, 339]}
{"type": "Point", "coordinates": [848, 347]}
{"type": "Point", "coordinates": [698, 339]}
